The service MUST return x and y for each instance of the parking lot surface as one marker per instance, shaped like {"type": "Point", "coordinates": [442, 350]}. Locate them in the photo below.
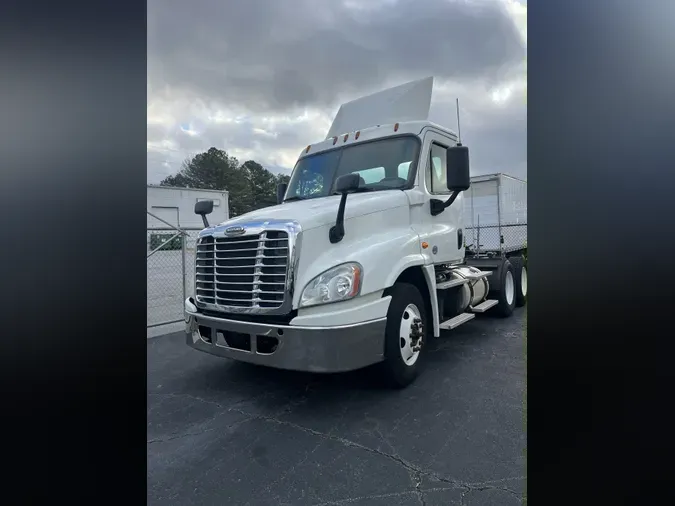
{"type": "Point", "coordinates": [225, 433]}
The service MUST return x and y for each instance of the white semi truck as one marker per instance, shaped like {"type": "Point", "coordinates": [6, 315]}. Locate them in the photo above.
{"type": "Point", "coordinates": [364, 258]}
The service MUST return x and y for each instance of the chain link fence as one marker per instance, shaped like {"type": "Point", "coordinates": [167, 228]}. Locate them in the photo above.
{"type": "Point", "coordinates": [170, 257]}
{"type": "Point", "coordinates": [503, 238]}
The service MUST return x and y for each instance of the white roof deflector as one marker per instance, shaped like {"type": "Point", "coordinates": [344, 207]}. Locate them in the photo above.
{"type": "Point", "coordinates": [407, 102]}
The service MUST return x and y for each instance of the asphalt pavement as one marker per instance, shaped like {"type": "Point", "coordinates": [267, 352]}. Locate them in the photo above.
{"type": "Point", "coordinates": [229, 434]}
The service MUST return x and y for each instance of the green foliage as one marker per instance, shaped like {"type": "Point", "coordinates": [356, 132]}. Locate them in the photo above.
{"type": "Point", "coordinates": [250, 185]}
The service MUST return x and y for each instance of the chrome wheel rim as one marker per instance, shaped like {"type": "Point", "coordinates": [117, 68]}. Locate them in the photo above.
{"type": "Point", "coordinates": [509, 288]}
{"type": "Point", "coordinates": [411, 334]}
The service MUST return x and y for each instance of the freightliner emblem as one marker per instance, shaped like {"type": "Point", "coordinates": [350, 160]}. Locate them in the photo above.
{"type": "Point", "coordinates": [235, 230]}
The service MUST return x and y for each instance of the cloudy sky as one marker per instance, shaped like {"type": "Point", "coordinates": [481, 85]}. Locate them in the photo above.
{"type": "Point", "coordinates": [264, 78]}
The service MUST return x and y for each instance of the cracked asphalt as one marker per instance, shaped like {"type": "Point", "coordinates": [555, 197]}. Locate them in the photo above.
{"type": "Point", "coordinates": [226, 433]}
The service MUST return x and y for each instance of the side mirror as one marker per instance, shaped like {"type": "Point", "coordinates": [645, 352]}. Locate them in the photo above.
{"type": "Point", "coordinates": [343, 185]}
{"type": "Point", "coordinates": [202, 208]}
{"type": "Point", "coordinates": [347, 183]}
{"type": "Point", "coordinates": [457, 167]}
{"type": "Point", "coordinates": [281, 192]}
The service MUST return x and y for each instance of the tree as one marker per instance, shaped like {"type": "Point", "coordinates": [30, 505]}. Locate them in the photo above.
{"type": "Point", "coordinates": [250, 185]}
{"type": "Point", "coordinates": [263, 185]}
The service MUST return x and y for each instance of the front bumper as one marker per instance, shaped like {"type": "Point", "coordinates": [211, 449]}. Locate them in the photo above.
{"type": "Point", "coordinates": [299, 348]}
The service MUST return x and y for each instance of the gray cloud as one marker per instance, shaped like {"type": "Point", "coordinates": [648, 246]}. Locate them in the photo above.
{"type": "Point", "coordinates": [497, 135]}
{"type": "Point", "coordinates": [269, 54]}
{"type": "Point", "coordinates": [263, 59]}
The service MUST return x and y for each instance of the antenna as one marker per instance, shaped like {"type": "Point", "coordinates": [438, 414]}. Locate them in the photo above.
{"type": "Point", "coordinates": [459, 129]}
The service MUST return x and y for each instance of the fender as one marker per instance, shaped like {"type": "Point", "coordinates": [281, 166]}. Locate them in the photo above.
{"type": "Point", "coordinates": [430, 281]}
{"type": "Point", "coordinates": [413, 260]}
{"type": "Point", "coordinates": [430, 277]}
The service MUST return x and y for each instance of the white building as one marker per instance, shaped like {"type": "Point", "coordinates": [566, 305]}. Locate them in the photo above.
{"type": "Point", "coordinates": [177, 206]}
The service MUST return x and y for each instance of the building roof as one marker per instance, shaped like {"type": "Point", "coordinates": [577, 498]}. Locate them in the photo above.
{"type": "Point", "coordinates": [185, 189]}
{"type": "Point", "coordinates": [491, 177]}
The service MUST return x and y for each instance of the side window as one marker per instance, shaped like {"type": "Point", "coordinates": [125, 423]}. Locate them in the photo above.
{"type": "Point", "coordinates": [436, 174]}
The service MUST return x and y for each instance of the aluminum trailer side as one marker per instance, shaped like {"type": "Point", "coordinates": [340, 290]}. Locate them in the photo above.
{"type": "Point", "coordinates": [495, 214]}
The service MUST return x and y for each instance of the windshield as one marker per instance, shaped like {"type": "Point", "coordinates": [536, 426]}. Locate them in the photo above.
{"type": "Point", "coordinates": [383, 165]}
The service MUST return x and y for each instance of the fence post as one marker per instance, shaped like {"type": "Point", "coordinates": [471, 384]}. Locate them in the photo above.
{"type": "Point", "coordinates": [184, 247]}
{"type": "Point", "coordinates": [499, 215]}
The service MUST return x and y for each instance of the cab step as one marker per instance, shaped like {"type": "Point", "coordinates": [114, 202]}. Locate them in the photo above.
{"type": "Point", "coordinates": [455, 322]}
{"type": "Point", "coordinates": [484, 306]}
{"type": "Point", "coordinates": [449, 284]}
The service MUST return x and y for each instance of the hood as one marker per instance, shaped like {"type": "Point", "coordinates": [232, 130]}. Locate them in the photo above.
{"type": "Point", "coordinates": [322, 211]}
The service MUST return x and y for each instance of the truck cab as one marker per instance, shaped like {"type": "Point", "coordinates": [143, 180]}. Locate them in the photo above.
{"type": "Point", "coordinates": [361, 262]}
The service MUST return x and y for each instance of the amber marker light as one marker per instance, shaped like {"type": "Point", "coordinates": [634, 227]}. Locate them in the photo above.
{"type": "Point", "coordinates": [357, 283]}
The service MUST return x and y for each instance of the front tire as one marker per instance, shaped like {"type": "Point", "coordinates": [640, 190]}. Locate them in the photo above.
{"type": "Point", "coordinates": [406, 335]}
{"type": "Point", "coordinates": [507, 291]}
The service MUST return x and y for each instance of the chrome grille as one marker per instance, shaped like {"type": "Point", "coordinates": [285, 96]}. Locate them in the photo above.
{"type": "Point", "coordinates": [242, 272]}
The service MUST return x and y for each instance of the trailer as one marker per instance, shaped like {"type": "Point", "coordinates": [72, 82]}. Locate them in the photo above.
{"type": "Point", "coordinates": [365, 257]}
{"type": "Point", "coordinates": [495, 215]}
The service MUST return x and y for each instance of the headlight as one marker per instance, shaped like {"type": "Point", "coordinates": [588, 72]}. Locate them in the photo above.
{"type": "Point", "coordinates": [339, 283]}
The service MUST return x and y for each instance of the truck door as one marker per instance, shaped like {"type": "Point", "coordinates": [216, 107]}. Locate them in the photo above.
{"type": "Point", "coordinates": [443, 233]}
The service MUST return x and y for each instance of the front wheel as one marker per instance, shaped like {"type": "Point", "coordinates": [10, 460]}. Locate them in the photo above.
{"type": "Point", "coordinates": [405, 335]}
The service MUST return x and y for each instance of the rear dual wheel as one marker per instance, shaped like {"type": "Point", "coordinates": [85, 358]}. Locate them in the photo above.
{"type": "Point", "coordinates": [520, 279]}
{"type": "Point", "coordinates": [507, 290]}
